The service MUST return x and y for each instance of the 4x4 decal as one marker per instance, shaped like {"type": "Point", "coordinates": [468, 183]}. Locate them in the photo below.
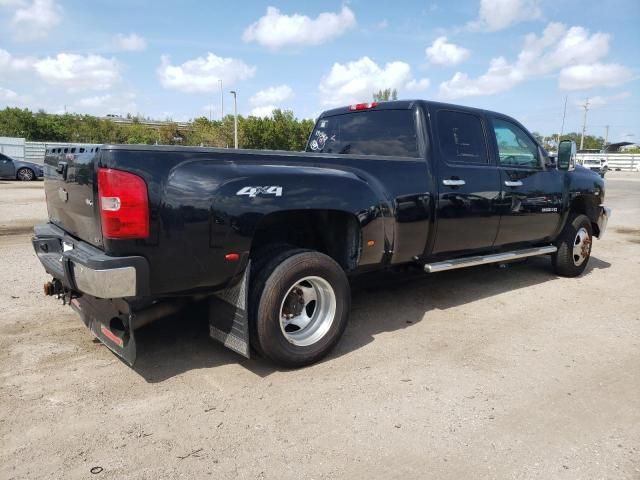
{"type": "Point", "coordinates": [255, 191]}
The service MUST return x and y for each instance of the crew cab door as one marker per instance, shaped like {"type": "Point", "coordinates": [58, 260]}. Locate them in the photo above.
{"type": "Point", "coordinates": [7, 169]}
{"type": "Point", "coordinates": [468, 183]}
{"type": "Point", "coordinates": [531, 199]}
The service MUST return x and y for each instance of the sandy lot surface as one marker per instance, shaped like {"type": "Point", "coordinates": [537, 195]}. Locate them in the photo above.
{"type": "Point", "coordinates": [477, 373]}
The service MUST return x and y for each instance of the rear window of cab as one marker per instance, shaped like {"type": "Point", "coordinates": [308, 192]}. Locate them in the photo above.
{"type": "Point", "coordinates": [388, 133]}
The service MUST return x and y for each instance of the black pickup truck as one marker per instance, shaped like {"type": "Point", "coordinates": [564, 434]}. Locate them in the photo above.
{"type": "Point", "coordinates": [271, 239]}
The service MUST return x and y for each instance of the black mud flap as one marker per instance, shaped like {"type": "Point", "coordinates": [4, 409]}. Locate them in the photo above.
{"type": "Point", "coordinates": [110, 325]}
{"type": "Point", "coordinates": [228, 316]}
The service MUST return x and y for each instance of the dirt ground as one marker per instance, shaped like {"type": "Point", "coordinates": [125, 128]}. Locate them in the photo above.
{"type": "Point", "coordinates": [479, 373]}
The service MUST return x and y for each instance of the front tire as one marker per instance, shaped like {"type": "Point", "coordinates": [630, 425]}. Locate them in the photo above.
{"type": "Point", "coordinates": [299, 307]}
{"type": "Point", "coordinates": [574, 247]}
{"type": "Point", "coordinates": [25, 174]}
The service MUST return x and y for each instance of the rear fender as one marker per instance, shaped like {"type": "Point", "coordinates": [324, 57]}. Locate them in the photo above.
{"type": "Point", "coordinates": [245, 200]}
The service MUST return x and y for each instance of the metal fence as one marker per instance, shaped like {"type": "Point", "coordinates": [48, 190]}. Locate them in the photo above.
{"type": "Point", "coordinates": [629, 162]}
{"type": "Point", "coordinates": [34, 152]}
{"type": "Point", "coordinates": [12, 147]}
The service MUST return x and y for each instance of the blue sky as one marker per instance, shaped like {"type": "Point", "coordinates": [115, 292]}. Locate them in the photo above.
{"type": "Point", "coordinates": [164, 59]}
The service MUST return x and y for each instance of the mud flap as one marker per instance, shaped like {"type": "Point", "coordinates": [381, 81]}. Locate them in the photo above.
{"type": "Point", "coordinates": [228, 316]}
{"type": "Point", "coordinates": [110, 325]}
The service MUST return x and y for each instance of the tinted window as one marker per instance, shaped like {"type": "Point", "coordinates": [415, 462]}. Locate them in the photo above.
{"type": "Point", "coordinates": [461, 138]}
{"type": "Point", "coordinates": [390, 133]}
{"type": "Point", "coordinates": [515, 147]}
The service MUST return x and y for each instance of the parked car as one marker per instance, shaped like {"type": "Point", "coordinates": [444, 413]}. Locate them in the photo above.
{"type": "Point", "coordinates": [19, 169]}
{"type": "Point", "coordinates": [598, 165]}
{"type": "Point", "coordinates": [272, 239]}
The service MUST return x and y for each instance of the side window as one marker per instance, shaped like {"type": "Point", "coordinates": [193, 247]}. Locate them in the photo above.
{"type": "Point", "coordinates": [461, 138]}
{"type": "Point", "coordinates": [515, 147]}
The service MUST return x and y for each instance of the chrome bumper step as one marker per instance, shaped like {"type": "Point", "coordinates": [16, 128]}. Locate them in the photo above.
{"type": "Point", "coordinates": [484, 259]}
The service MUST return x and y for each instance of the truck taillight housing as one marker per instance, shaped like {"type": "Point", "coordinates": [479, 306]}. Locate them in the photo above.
{"type": "Point", "coordinates": [124, 205]}
{"type": "Point", "coordinates": [363, 106]}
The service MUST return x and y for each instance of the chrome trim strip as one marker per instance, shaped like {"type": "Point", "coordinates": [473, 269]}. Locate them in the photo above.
{"type": "Point", "coordinates": [484, 259]}
{"type": "Point", "coordinates": [603, 220]}
{"type": "Point", "coordinates": [109, 283]}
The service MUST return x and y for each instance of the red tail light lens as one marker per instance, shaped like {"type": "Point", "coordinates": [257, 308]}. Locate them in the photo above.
{"type": "Point", "coordinates": [124, 206]}
{"type": "Point", "coordinates": [363, 106]}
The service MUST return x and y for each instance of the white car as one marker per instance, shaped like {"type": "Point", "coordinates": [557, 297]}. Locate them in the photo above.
{"type": "Point", "coordinates": [599, 165]}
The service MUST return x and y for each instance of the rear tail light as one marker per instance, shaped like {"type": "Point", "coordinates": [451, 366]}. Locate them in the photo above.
{"type": "Point", "coordinates": [363, 106]}
{"type": "Point", "coordinates": [124, 206]}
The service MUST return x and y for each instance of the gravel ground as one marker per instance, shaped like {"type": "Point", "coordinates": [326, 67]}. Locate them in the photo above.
{"type": "Point", "coordinates": [477, 373]}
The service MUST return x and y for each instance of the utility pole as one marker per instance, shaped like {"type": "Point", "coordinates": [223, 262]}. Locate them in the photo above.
{"type": "Point", "coordinates": [606, 135]}
{"type": "Point", "coordinates": [221, 101]}
{"type": "Point", "coordinates": [235, 119]}
{"type": "Point", "coordinates": [584, 122]}
{"type": "Point", "coordinates": [564, 115]}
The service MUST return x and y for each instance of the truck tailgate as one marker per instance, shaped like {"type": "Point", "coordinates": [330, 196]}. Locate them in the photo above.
{"type": "Point", "coordinates": [69, 184]}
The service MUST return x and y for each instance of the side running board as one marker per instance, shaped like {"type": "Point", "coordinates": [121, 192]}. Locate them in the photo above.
{"type": "Point", "coordinates": [484, 259]}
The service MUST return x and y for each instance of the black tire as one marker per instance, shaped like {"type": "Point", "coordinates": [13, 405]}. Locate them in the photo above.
{"type": "Point", "coordinates": [564, 261]}
{"type": "Point", "coordinates": [25, 174]}
{"type": "Point", "coordinates": [269, 287]}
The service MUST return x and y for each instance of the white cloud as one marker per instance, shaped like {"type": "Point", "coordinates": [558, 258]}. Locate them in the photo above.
{"type": "Point", "coordinates": [264, 111]}
{"type": "Point", "coordinates": [67, 70]}
{"type": "Point", "coordinates": [7, 95]}
{"type": "Point", "coordinates": [109, 103]}
{"type": "Point", "coordinates": [203, 73]}
{"type": "Point", "coordinates": [598, 101]}
{"type": "Point", "coordinates": [584, 76]}
{"type": "Point", "coordinates": [272, 95]}
{"type": "Point", "coordinates": [497, 15]}
{"type": "Point", "coordinates": [12, 3]}
{"type": "Point", "coordinates": [357, 81]}
{"type": "Point", "coordinates": [443, 53]}
{"type": "Point", "coordinates": [132, 42]}
{"type": "Point", "coordinates": [418, 85]}
{"type": "Point", "coordinates": [276, 30]}
{"type": "Point", "coordinates": [558, 48]}
{"type": "Point", "coordinates": [78, 72]}
{"type": "Point", "coordinates": [9, 63]}
{"type": "Point", "coordinates": [34, 20]}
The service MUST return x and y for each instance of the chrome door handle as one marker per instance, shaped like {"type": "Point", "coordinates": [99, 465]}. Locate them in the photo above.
{"type": "Point", "coordinates": [453, 183]}
{"type": "Point", "coordinates": [509, 183]}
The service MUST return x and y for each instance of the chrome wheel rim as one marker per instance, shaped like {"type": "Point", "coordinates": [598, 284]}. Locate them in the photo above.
{"type": "Point", "coordinates": [581, 247]}
{"type": "Point", "coordinates": [307, 311]}
{"type": "Point", "coordinates": [25, 174]}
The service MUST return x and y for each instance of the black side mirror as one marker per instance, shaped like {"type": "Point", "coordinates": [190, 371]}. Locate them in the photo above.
{"type": "Point", "coordinates": [567, 155]}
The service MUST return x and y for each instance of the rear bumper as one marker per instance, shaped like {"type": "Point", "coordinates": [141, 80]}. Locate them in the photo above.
{"type": "Point", "coordinates": [86, 269]}
{"type": "Point", "coordinates": [603, 220]}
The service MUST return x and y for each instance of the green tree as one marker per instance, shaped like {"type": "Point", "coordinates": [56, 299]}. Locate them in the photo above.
{"type": "Point", "coordinates": [385, 95]}
{"type": "Point", "coordinates": [590, 141]}
{"type": "Point", "coordinates": [281, 131]}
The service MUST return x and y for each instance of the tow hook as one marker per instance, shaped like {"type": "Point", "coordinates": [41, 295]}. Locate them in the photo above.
{"type": "Point", "coordinates": [53, 288]}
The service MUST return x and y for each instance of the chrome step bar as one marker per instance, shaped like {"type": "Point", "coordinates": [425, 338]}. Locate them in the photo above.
{"type": "Point", "coordinates": [484, 259]}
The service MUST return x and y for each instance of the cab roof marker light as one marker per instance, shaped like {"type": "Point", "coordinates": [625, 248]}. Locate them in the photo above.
{"type": "Point", "coordinates": [363, 106]}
